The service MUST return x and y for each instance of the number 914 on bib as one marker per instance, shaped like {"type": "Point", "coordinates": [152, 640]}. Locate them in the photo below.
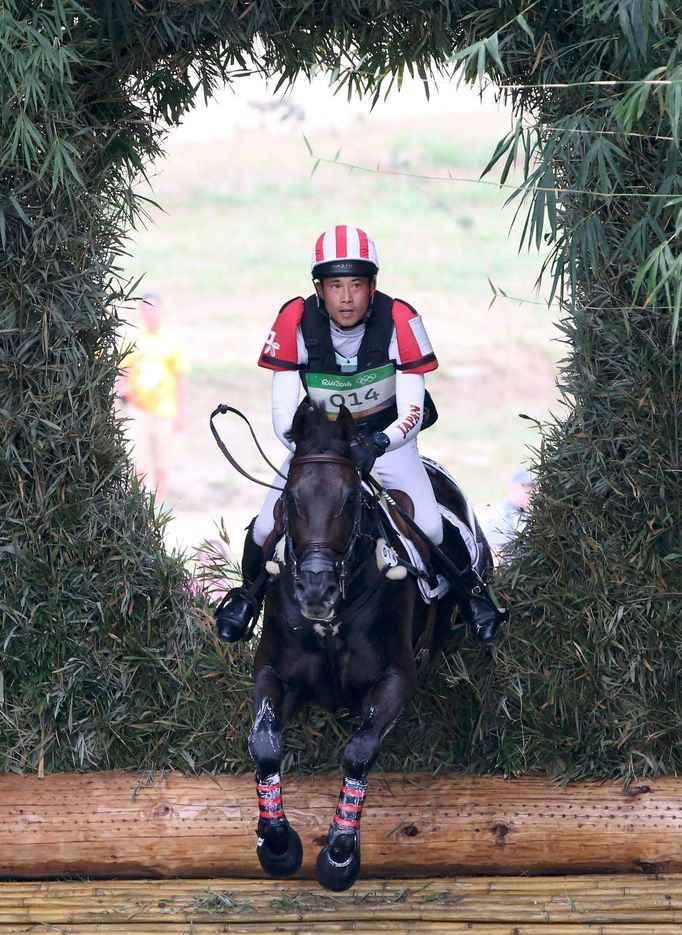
{"type": "Point", "coordinates": [364, 393]}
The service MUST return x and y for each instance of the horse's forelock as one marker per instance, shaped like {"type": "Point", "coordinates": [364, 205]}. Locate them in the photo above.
{"type": "Point", "coordinates": [320, 434]}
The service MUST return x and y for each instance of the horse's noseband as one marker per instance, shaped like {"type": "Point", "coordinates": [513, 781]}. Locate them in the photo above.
{"type": "Point", "coordinates": [315, 562]}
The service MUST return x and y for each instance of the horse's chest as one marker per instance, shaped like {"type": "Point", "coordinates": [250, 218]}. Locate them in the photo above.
{"type": "Point", "coordinates": [335, 671]}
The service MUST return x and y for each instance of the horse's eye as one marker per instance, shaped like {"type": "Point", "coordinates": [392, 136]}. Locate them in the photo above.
{"type": "Point", "coordinates": [291, 502]}
{"type": "Point", "coordinates": [350, 502]}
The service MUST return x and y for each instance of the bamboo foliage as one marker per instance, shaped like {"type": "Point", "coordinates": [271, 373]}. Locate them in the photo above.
{"type": "Point", "coordinates": [588, 682]}
{"type": "Point", "coordinates": [107, 661]}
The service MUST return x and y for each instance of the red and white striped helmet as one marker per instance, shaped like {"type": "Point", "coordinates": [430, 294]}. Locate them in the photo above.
{"type": "Point", "coordinates": [344, 250]}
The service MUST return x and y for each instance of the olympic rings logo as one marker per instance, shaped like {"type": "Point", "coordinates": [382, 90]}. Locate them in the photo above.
{"type": "Point", "coordinates": [368, 378]}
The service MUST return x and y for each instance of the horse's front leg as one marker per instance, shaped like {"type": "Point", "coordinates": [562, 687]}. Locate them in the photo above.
{"type": "Point", "coordinates": [338, 863]}
{"type": "Point", "coordinates": [279, 847]}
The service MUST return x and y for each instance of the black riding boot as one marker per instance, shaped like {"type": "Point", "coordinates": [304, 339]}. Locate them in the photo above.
{"type": "Point", "coordinates": [477, 606]}
{"type": "Point", "coordinates": [239, 606]}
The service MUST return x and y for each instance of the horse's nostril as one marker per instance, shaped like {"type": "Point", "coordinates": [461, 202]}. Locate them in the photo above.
{"type": "Point", "coordinates": [331, 594]}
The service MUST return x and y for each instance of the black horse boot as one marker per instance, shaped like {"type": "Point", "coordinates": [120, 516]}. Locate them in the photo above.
{"type": "Point", "coordinates": [242, 605]}
{"type": "Point", "coordinates": [477, 606]}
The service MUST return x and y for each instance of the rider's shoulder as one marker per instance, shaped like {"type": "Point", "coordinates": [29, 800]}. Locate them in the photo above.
{"type": "Point", "coordinates": [403, 311]}
{"type": "Point", "coordinates": [415, 351]}
{"type": "Point", "coordinates": [292, 308]}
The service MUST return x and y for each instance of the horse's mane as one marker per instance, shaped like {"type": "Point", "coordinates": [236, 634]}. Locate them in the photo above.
{"type": "Point", "coordinates": [313, 433]}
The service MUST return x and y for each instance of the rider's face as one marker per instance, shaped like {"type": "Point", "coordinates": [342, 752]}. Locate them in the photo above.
{"type": "Point", "coordinates": [346, 298]}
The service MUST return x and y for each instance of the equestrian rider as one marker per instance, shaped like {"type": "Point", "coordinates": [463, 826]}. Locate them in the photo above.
{"type": "Point", "coordinates": [350, 344]}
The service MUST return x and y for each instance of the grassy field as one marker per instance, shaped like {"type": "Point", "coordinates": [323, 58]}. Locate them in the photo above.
{"type": "Point", "coordinates": [239, 210]}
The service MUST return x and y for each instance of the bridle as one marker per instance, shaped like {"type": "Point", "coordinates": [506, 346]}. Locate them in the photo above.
{"type": "Point", "coordinates": [314, 558]}
{"type": "Point", "coordinates": [311, 549]}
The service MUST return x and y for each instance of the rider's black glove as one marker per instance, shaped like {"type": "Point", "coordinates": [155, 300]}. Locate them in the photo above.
{"type": "Point", "coordinates": [365, 451]}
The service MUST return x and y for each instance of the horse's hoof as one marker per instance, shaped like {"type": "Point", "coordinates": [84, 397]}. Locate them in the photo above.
{"type": "Point", "coordinates": [337, 877]}
{"type": "Point", "coordinates": [285, 864]}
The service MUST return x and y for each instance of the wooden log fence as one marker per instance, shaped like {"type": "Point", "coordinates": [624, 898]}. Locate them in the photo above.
{"type": "Point", "coordinates": [171, 825]}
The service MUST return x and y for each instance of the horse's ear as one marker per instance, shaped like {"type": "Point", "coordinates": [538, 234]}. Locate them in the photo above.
{"type": "Point", "coordinates": [300, 421]}
{"type": "Point", "coordinates": [345, 427]}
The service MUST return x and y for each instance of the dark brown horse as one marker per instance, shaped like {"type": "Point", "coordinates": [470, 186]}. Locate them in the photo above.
{"type": "Point", "coordinates": [340, 631]}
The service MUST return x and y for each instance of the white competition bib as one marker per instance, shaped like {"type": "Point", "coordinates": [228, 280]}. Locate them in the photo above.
{"type": "Point", "coordinates": [364, 393]}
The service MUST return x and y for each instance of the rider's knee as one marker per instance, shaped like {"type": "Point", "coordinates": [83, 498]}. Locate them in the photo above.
{"type": "Point", "coordinates": [262, 528]}
{"type": "Point", "coordinates": [431, 523]}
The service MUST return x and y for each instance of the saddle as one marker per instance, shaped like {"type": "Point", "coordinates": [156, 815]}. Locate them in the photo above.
{"type": "Point", "coordinates": [454, 507]}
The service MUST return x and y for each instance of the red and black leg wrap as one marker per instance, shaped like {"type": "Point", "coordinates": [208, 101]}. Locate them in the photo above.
{"type": "Point", "coordinates": [270, 799]}
{"type": "Point", "coordinates": [349, 808]}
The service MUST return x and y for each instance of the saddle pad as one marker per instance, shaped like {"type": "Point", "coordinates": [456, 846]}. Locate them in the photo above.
{"type": "Point", "coordinates": [466, 533]}
{"type": "Point", "coordinates": [470, 517]}
{"type": "Point", "coordinates": [428, 594]}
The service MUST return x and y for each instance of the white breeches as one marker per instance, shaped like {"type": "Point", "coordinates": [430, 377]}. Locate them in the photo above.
{"type": "Point", "coordinates": [265, 519]}
{"type": "Point", "coordinates": [401, 469]}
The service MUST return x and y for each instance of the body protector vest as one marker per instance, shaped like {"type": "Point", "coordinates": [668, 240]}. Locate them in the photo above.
{"type": "Point", "coordinates": [369, 392]}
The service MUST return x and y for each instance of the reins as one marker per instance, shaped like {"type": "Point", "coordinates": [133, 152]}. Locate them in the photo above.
{"type": "Point", "coordinates": [436, 550]}
{"type": "Point", "coordinates": [223, 408]}
{"type": "Point", "coordinates": [328, 457]}
{"type": "Point", "coordinates": [377, 489]}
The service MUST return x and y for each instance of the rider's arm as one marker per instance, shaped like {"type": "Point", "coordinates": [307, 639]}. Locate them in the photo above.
{"type": "Point", "coordinates": [286, 390]}
{"type": "Point", "coordinates": [409, 397]}
{"type": "Point", "coordinates": [413, 354]}
{"type": "Point", "coordinates": [284, 352]}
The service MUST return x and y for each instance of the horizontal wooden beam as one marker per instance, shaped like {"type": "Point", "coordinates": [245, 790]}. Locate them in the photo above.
{"type": "Point", "coordinates": [171, 825]}
{"type": "Point", "coordinates": [622, 905]}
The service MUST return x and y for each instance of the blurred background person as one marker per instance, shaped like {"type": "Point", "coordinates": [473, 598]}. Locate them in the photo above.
{"type": "Point", "coordinates": [513, 514]}
{"type": "Point", "coordinates": [153, 389]}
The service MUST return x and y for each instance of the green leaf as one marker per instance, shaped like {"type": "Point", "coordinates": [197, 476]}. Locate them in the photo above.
{"type": "Point", "coordinates": [677, 302]}
{"type": "Point", "coordinates": [523, 23]}
{"type": "Point", "coordinates": [493, 49]}
{"type": "Point", "coordinates": [20, 211]}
